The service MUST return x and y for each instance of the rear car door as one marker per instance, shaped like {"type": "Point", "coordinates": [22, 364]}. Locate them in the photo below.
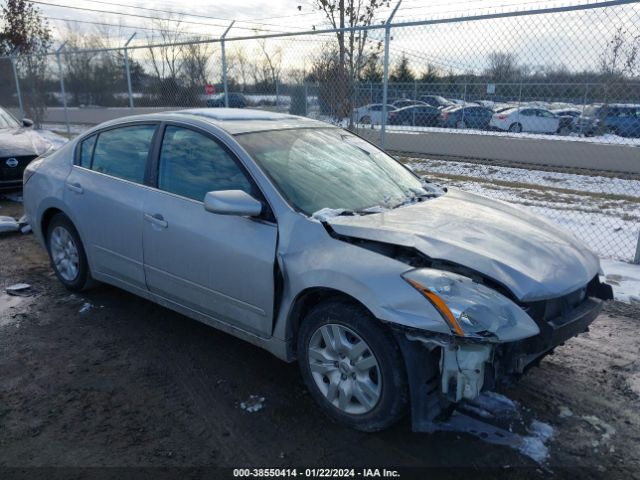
{"type": "Point", "coordinates": [217, 265]}
{"type": "Point", "coordinates": [103, 193]}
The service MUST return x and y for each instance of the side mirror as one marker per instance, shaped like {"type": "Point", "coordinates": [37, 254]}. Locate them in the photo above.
{"type": "Point", "coordinates": [27, 122]}
{"type": "Point", "coordinates": [232, 202]}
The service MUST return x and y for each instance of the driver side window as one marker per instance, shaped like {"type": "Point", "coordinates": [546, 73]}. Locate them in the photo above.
{"type": "Point", "coordinates": [192, 164]}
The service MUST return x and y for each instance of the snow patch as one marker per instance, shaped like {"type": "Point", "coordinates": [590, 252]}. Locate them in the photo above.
{"type": "Point", "coordinates": [254, 404]}
{"type": "Point", "coordinates": [624, 278]}
{"type": "Point", "coordinates": [86, 308]}
{"type": "Point", "coordinates": [327, 213]}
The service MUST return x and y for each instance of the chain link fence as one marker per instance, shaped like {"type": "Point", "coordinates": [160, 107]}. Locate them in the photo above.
{"type": "Point", "coordinates": [540, 107]}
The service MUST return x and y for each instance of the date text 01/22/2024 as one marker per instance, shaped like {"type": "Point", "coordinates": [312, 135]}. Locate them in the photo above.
{"type": "Point", "coordinates": [315, 473]}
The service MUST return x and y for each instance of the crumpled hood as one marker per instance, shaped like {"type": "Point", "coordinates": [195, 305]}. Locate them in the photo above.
{"type": "Point", "coordinates": [18, 142]}
{"type": "Point", "coordinates": [532, 257]}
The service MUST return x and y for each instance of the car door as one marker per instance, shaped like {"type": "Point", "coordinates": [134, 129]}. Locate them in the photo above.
{"type": "Point", "coordinates": [217, 265]}
{"type": "Point", "coordinates": [549, 122]}
{"type": "Point", "coordinates": [529, 120]}
{"type": "Point", "coordinates": [103, 193]}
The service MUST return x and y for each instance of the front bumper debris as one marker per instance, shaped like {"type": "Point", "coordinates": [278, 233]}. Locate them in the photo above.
{"type": "Point", "coordinates": [443, 371]}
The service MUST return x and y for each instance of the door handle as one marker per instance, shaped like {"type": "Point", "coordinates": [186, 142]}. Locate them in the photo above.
{"type": "Point", "coordinates": [156, 219]}
{"type": "Point", "coordinates": [75, 187]}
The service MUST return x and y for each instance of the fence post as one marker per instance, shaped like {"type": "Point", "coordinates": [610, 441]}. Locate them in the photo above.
{"type": "Point", "coordinates": [385, 77]}
{"type": "Point", "coordinates": [306, 99]}
{"type": "Point", "coordinates": [224, 65]}
{"type": "Point", "coordinates": [15, 76]}
{"type": "Point", "coordinates": [126, 66]}
{"type": "Point", "coordinates": [636, 258]}
{"type": "Point", "coordinates": [64, 94]}
{"type": "Point", "coordinates": [464, 102]}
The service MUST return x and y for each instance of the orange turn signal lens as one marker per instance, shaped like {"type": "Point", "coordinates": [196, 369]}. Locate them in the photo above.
{"type": "Point", "coordinates": [439, 305]}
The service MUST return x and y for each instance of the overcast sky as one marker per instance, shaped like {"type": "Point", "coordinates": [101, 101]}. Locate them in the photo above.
{"type": "Point", "coordinates": [576, 40]}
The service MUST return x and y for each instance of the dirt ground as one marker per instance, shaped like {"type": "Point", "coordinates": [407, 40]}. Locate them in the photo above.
{"type": "Point", "coordinates": [131, 384]}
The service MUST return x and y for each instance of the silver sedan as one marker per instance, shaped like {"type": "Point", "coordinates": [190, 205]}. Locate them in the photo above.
{"type": "Point", "coordinates": [392, 293]}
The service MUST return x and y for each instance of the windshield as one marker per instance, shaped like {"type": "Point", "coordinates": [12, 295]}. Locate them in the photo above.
{"type": "Point", "coordinates": [330, 168]}
{"type": "Point", "coordinates": [7, 120]}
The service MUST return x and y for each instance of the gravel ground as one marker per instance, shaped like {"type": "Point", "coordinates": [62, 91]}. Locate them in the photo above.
{"type": "Point", "coordinates": [130, 384]}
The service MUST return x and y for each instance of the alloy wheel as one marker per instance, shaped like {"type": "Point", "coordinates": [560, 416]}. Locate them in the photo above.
{"type": "Point", "coordinates": [64, 253]}
{"type": "Point", "coordinates": [344, 369]}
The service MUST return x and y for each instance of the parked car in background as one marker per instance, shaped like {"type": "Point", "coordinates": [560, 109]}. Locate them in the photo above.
{"type": "Point", "coordinates": [466, 117]}
{"type": "Point", "coordinates": [405, 102]}
{"type": "Point", "coordinates": [394, 295]}
{"type": "Point", "coordinates": [436, 101]}
{"type": "Point", "coordinates": [618, 119]}
{"type": "Point", "coordinates": [415, 115]}
{"type": "Point", "coordinates": [371, 114]}
{"type": "Point", "coordinates": [236, 100]}
{"type": "Point", "coordinates": [19, 145]}
{"type": "Point", "coordinates": [567, 112]}
{"type": "Point", "coordinates": [526, 119]}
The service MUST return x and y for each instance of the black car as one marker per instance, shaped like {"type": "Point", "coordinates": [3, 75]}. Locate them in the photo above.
{"type": "Point", "coordinates": [19, 145]}
{"type": "Point", "coordinates": [473, 116]}
{"type": "Point", "coordinates": [436, 101]}
{"type": "Point", "coordinates": [415, 115]}
{"type": "Point", "coordinates": [236, 100]}
{"type": "Point", "coordinates": [404, 102]}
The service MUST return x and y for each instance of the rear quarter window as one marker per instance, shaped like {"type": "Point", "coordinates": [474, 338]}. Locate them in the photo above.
{"type": "Point", "coordinates": [86, 151]}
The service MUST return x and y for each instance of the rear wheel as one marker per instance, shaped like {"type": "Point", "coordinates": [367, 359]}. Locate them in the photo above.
{"type": "Point", "coordinates": [365, 120]}
{"type": "Point", "coordinates": [67, 254]}
{"type": "Point", "coordinates": [352, 366]}
{"type": "Point", "coordinates": [461, 124]}
{"type": "Point", "coordinates": [515, 127]}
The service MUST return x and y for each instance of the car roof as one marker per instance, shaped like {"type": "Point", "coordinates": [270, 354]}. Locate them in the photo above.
{"type": "Point", "coordinates": [232, 120]}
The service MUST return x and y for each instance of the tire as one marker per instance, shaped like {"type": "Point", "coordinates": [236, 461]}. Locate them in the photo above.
{"type": "Point", "coordinates": [63, 241]}
{"type": "Point", "coordinates": [461, 124]}
{"type": "Point", "coordinates": [515, 128]}
{"type": "Point", "coordinates": [375, 397]}
{"type": "Point", "coordinates": [365, 120]}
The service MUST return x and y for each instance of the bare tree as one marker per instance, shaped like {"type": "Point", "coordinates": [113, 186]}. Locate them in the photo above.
{"type": "Point", "coordinates": [272, 61]}
{"type": "Point", "coordinates": [238, 66]}
{"type": "Point", "coordinates": [24, 28]}
{"type": "Point", "coordinates": [503, 67]}
{"type": "Point", "coordinates": [622, 55]}
{"type": "Point", "coordinates": [353, 44]}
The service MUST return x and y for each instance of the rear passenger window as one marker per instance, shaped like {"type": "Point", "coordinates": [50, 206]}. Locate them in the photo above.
{"type": "Point", "coordinates": [122, 152]}
{"type": "Point", "coordinates": [86, 150]}
{"type": "Point", "coordinates": [192, 164]}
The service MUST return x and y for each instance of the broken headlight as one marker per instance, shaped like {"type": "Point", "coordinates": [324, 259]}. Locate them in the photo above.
{"type": "Point", "coordinates": [471, 309]}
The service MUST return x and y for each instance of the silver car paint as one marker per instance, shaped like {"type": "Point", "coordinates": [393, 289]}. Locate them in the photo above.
{"type": "Point", "coordinates": [306, 254]}
{"type": "Point", "coordinates": [532, 257]}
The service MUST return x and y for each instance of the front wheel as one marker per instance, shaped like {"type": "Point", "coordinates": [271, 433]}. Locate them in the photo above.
{"type": "Point", "coordinates": [352, 366]}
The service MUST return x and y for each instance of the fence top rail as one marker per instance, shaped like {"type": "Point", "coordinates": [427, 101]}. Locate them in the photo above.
{"type": "Point", "coordinates": [416, 23]}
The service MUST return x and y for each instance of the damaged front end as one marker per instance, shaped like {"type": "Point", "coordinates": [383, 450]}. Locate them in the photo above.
{"type": "Point", "coordinates": [493, 340]}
